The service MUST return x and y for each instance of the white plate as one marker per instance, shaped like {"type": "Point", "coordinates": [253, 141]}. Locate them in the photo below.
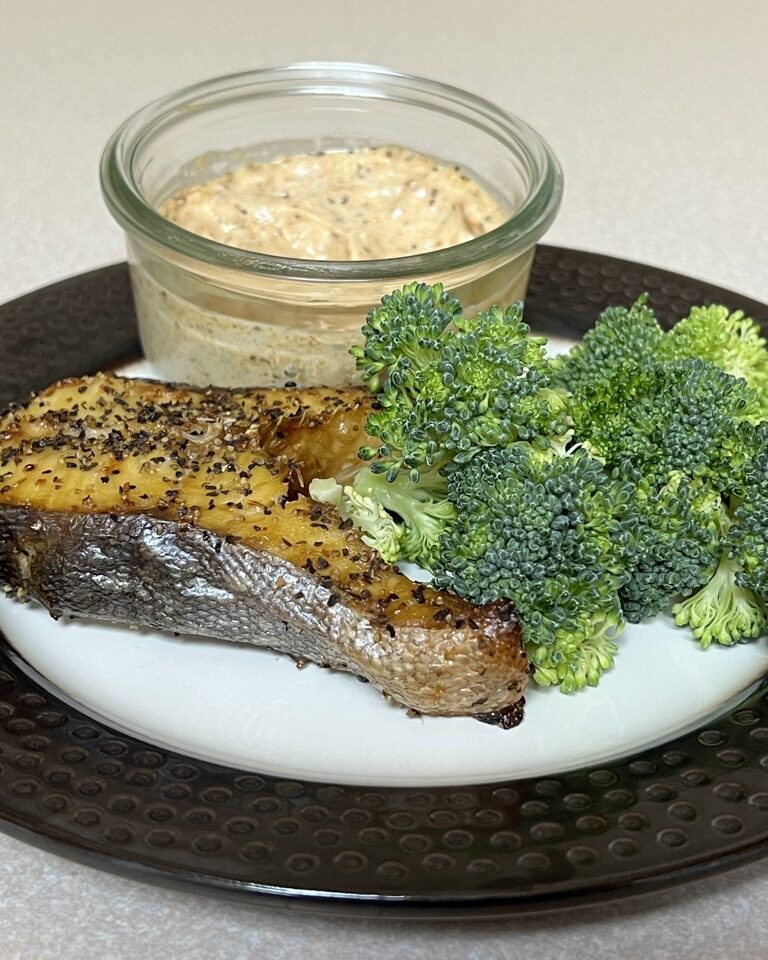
{"type": "Point", "coordinates": [251, 709]}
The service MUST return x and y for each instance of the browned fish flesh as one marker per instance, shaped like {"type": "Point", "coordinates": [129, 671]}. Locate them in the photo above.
{"type": "Point", "coordinates": [186, 509]}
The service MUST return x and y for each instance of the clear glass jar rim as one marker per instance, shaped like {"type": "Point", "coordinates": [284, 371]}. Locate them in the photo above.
{"type": "Point", "coordinates": [129, 207]}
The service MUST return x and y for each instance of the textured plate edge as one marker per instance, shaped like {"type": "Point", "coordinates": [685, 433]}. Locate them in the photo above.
{"type": "Point", "coordinates": [386, 907]}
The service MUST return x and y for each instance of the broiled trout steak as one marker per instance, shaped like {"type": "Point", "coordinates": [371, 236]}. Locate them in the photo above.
{"type": "Point", "coordinates": [185, 510]}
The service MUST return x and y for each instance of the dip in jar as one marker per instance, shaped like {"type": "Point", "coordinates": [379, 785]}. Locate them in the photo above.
{"type": "Point", "coordinates": [255, 261]}
{"type": "Point", "coordinates": [368, 204]}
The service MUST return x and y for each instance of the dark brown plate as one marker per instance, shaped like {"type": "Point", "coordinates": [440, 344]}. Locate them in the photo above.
{"type": "Point", "coordinates": [71, 785]}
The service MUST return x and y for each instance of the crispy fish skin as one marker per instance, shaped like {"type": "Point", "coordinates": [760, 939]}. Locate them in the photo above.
{"type": "Point", "coordinates": [183, 509]}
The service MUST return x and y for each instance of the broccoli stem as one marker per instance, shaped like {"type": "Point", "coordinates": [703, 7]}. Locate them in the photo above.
{"type": "Point", "coordinates": [722, 610]}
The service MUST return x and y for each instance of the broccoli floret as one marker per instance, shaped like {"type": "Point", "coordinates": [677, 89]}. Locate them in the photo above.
{"type": "Point", "coordinates": [731, 341]}
{"type": "Point", "coordinates": [422, 507]}
{"type": "Point", "coordinates": [391, 344]}
{"type": "Point", "coordinates": [722, 610]}
{"type": "Point", "coordinates": [620, 336]}
{"type": "Point", "coordinates": [731, 606]}
{"type": "Point", "coordinates": [682, 432]}
{"type": "Point", "coordinates": [674, 542]}
{"type": "Point", "coordinates": [380, 531]}
{"type": "Point", "coordinates": [588, 489]}
{"type": "Point", "coordinates": [681, 416]}
{"type": "Point", "coordinates": [747, 540]}
{"type": "Point", "coordinates": [401, 519]}
{"type": "Point", "coordinates": [544, 531]}
{"type": "Point", "coordinates": [579, 657]}
{"type": "Point", "coordinates": [470, 383]}
{"type": "Point", "coordinates": [498, 376]}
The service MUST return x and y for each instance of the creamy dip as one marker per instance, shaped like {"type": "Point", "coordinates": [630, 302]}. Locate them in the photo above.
{"type": "Point", "coordinates": [220, 326]}
{"type": "Point", "coordinates": [367, 204]}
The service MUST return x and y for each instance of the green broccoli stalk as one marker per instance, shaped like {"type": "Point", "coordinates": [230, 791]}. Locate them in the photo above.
{"type": "Point", "coordinates": [578, 658]}
{"type": "Point", "coordinates": [544, 531]}
{"type": "Point", "coordinates": [723, 610]}
{"type": "Point", "coordinates": [402, 519]}
{"type": "Point", "coordinates": [379, 529]}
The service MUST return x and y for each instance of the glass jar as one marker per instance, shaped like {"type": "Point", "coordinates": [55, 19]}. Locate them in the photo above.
{"type": "Point", "coordinates": [211, 313]}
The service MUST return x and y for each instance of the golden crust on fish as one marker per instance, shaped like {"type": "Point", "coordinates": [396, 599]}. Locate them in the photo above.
{"type": "Point", "coordinates": [186, 509]}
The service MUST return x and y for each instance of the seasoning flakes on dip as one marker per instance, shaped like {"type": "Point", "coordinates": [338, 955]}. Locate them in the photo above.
{"type": "Point", "coordinates": [369, 204]}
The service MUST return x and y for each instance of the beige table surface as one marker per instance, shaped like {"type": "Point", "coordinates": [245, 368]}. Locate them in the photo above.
{"type": "Point", "coordinates": [659, 114]}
